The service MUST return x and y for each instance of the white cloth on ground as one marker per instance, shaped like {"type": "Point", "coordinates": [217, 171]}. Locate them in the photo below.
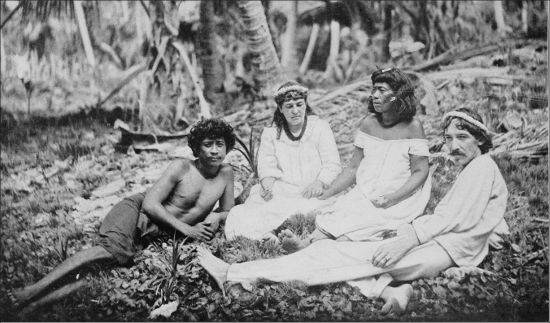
{"type": "Point", "coordinates": [456, 234]}
{"type": "Point", "coordinates": [329, 261]}
{"type": "Point", "coordinates": [384, 169]}
{"type": "Point", "coordinates": [295, 164]}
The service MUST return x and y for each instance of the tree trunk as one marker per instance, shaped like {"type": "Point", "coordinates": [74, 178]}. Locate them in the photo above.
{"type": "Point", "coordinates": [213, 73]}
{"type": "Point", "coordinates": [289, 60]}
{"type": "Point", "coordinates": [204, 107]}
{"type": "Point", "coordinates": [2, 55]}
{"type": "Point", "coordinates": [334, 47]}
{"type": "Point", "coordinates": [265, 64]}
{"type": "Point", "coordinates": [387, 31]}
{"type": "Point", "coordinates": [310, 47]}
{"type": "Point", "coordinates": [499, 17]}
{"type": "Point", "coordinates": [524, 16]}
{"type": "Point", "coordinates": [81, 20]}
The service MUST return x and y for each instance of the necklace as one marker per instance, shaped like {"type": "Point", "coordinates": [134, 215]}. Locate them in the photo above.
{"type": "Point", "coordinates": [289, 133]}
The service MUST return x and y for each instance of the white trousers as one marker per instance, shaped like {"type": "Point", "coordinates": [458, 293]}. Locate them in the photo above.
{"type": "Point", "coordinates": [330, 261]}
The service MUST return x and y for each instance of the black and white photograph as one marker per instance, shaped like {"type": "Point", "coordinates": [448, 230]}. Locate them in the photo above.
{"type": "Point", "coordinates": [263, 160]}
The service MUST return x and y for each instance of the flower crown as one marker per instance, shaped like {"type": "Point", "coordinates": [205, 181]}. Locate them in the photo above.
{"type": "Point", "coordinates": [465, 117]}
{"type": "Point", "coordinates": [294, 87]}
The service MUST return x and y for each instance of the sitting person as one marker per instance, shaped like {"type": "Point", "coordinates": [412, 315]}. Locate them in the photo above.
{"type": "Point", "coordinates": [297, 158]}
{"type": "Point", "coordinates": [389, 167]}
{"type": "Point", "coordinates": [458, 233]}
{"type": "Point", "coordinates": [181, 200]}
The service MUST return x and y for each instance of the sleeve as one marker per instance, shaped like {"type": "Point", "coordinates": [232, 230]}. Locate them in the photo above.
{"type": "Point", "coordinates": [328, 151]}
{"type": "Point", "coordinates": [464, 205]}
{"type": "Point", "coordinates": [419, 147]}
{"type": "Point", "coordinates": [268, 166]}
{"type": "Point", "coordinates": [360, 139]}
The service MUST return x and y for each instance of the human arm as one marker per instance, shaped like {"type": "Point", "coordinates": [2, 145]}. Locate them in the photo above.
{"type": "Point", "coordinates": [226, 201]}
{"type": "Point", "coordinates": [347, 177]}
{"type": "Point", "coordinates": [154, 198]}
{"type": "Point", "coordinates": [418, 165]}
{"type": "Point", "coordinates": [419, 173]}
{"type": "Point", "coordinates": [268, 165]}
{"type": "Point", "coordinates": [330, 160]}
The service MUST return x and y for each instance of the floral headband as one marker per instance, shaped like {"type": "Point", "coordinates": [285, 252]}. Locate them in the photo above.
{"type": "Point", "coordinates": [290, 88]}
{"type": "Point", "coordinates": [465, 117]}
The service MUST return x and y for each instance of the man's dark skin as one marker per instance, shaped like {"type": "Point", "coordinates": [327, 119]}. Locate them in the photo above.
{"type": "Point", "coordinates": [183, 199]}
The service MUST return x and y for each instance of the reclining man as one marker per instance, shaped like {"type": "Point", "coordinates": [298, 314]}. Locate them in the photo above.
{"type": "Point", "coordinates": [456, 234]}
{"type": "Point", "coordinates": [181, 200]}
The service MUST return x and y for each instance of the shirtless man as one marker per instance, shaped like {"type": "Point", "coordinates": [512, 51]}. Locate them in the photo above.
{"type": "Point", "coordinates": [458, 233]}
{"type": "Point", "coordinates": [181, 200]}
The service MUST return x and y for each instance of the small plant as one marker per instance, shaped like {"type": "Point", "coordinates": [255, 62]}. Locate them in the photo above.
{"type": "Point", "coordinates": [249, 152]}
{"type": "Point", "coordinates": [61, 246]}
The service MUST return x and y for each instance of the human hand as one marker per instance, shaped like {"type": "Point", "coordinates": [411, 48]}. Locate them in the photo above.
{"type": "Point", "coordinates": [314, 189]}
{"type": "Point", "coordinates": [202, 231]}
{"type": "Point", "coordinates": [266, 194]}
{"type": "Point", "coordinates": [213, 221]}
{"type": "Point", "coordinates": [382, 201]}
{"type": "Point", "coordinates": [266, 185]}
{"type": "Point", "coordinates": [392, 251]}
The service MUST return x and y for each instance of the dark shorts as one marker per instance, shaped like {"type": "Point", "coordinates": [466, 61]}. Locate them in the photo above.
{"type": "Point", "coordinates": [124, 228]}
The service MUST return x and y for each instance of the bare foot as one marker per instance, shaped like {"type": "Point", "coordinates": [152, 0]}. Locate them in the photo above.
{"type": "Point", "coordinates": [214, 266]}
{"type": "Point", "coordinates": [396, 299]}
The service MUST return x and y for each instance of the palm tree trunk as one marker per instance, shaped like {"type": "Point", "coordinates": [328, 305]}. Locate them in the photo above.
{"type": "Point", "coordinates": [499, 17]}
{"type": "Point", "coordinates": [310, 47]}
{"type": "Point", "coordinates": [524, 16]}
{"type": "Point", "coordinates": [81, 20]}
{"type": "Point", "coordinates": [265, 65]}
{"type": "Point", "coordinates": [387, 31]}
{"type": "Point", "coordinates": [289, 61]}
{"type": "Point", "coordinates": [211, 61]}
{"type": "Point", "coordinates": [334, 47]}
{"type": "Point", "coordinates": [204, 107]}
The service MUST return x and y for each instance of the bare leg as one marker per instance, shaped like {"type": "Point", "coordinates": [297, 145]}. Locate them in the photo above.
{"type": "Point", "coordinates": [291, 242]}
{"type": "Point", "coordinates": [52, 297]}
{"type": "Point", "coordinates": [214, 266]}
{"type": "Point", "coordinates": [396, 299]}
{"type": "Point", "coordinates": [77, 260]}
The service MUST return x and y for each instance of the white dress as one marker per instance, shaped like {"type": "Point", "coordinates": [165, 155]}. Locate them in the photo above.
{"type": "Point", "coordinates": [458, 233]}
{"type": "Point", "coordinates": [384, 169]}
{"type": "Point", "coordinates": [295, 165]}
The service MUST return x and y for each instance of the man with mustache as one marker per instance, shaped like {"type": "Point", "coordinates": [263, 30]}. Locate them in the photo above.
{"type": "Point", "coordinates": [458, 232]}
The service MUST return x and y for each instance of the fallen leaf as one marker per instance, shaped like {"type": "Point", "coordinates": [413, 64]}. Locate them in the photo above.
{"type": "Point", "coordinates": [165, 310]}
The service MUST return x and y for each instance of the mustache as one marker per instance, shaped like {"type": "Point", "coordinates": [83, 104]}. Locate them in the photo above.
{"type": "Point", "coordinates": [456, 153]}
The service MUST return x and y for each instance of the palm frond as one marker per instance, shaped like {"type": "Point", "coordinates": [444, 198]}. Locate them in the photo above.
{"type": "Point", "coordinates": [42, 10]}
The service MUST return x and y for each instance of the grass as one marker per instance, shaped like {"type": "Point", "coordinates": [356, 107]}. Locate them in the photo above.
{"type": "Point", "coordinates": [38, 231]}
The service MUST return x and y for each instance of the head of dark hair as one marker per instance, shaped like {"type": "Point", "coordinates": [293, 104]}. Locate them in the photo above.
{"type": "Point", "coordinates": [278, 117]}
{"type": "Point", "coordinates": [210, 129]}
{"type": "Point", "coordinates": [401, 85]}
{"type": "Point", "coordinates": [477, 133]}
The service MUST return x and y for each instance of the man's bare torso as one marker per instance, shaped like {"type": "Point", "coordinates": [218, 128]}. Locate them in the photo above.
{"type": "Point", "coordinates": [194, 195]}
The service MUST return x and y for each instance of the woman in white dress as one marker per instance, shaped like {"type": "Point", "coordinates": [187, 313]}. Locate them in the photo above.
{"type": "Point", "coordinates": [389, 167]}
{"type": "Point", "coordinates": [297, 159]}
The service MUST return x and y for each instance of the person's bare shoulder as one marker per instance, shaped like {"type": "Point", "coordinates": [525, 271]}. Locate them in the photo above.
{"type": "Point", "coordinates": [415, 129]}
{"type": "Point", "coordinates": [179, 167]}
{"type": "Point", "coordinates": [368, 124]}
{"type": "Point", "coordinates": [226, 172]}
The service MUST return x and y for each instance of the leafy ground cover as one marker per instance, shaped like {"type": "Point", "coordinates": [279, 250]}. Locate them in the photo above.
{"type": "Point", "coordinates": [64, 165]}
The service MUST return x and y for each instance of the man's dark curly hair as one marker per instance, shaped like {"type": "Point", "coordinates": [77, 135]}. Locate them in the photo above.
{"type": "Point", "coordinates": [211, 129]}
{"type": "Point", "coordinates": [461, 124]}
{"type": "Point", "coordinates": [401, 85]}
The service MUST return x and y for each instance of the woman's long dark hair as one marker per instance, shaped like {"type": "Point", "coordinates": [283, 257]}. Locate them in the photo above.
{"type": "Point", "coordinates": [401, 85]}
